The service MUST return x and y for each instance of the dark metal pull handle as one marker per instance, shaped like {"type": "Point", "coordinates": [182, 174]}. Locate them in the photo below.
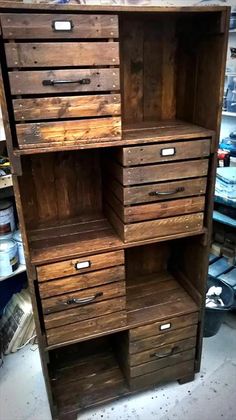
{"type": "Point", "coordinates": [83, 301]}
{"type": "Point", "coordinates": [161, 355]}
{"type": "Point", "coordinates": [172, 192]}
{"type": "Point", "coordinates": [52, 82]}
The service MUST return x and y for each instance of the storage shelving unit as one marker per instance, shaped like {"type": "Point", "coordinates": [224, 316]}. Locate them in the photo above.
{"type": "Point", "coordinates": [113, 146]}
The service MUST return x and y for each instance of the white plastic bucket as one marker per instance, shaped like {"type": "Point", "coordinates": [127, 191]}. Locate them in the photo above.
{"type": "Point", "coordinates": [7, 221]}
{"type": "Point", "coordinates": [18, 239]}
{"type": "Point", "coordinates": [9, 260]}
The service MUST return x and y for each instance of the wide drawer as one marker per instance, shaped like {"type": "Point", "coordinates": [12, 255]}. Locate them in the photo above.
{"type": "Point", "coordinates": [80, 265]}
{"type": "Point", "coordinates": [81, 282]}
{"type": "Point", "coordinates": [59, 54]}
{"type": "Point", "coordinates": [159, 172]}
{"type": "Point", "coordinates": [157, 192]}
{"type": "Point", "coordinates": [30, 25]}
{"type": "Point", "coordinates": [160, 328]}
{"type": "Point", "coordinates": [146, 154]}
{"type": "Point", "coordinates": [49, 81]}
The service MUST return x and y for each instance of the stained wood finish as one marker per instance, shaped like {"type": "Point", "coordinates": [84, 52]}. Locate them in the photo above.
{"type": "Point", "coordinates": [144, 193]}
{"type": "Point", "coordinates": [66, 131]}
{"type": "Point", "coordinates": [23, 26]}
{"type": "Point", "coordinates": [156, 173]}
{"type": "Point", "coordinates": [31, 82]}
{"type": "Point", "coordinates": [72, 267]}
{"type": "Point", "coordinates": [131, 156]}
{"type": "Point", "coordinates": [66, 107]}
{"type": "Point", "coordinates": [68, 54]}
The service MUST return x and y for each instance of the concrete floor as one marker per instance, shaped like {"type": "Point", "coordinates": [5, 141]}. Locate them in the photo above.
{"type": "Point", "coordinates": [212, 396]}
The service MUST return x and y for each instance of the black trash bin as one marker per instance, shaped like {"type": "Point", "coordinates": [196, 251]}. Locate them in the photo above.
{"type": "Point", "coordinates": [215, 316]}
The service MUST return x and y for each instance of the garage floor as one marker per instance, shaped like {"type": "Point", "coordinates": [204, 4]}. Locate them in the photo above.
{"type": "Point", "coordinates": [212, 396]}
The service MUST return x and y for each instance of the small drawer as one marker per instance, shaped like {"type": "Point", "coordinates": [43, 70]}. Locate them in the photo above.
{"type": "Point", "coordinates": [59, 54]}
{"type": "Point", "coordinates": [43, 26]}
{"type": "Point", "coordinates": [85, 297]}
{"type": "Point", "coordinates": [80, 265]}
{"type": "Point", "coordinates": [146, 154]}
{"type": "Point", "coordinates": [157, 328]}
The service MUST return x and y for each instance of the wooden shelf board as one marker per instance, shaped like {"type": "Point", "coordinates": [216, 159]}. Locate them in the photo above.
{"type": "Point", "coordinates": [5, 181]}
{"type": "Point", "coordinates": [229, 114]}
{"type": "Point", "coordinates": [157, 131]}
{"type": "Point", "coordinates": [19, 270]}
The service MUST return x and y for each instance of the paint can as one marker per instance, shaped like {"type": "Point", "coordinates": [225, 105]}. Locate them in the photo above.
{"type": "Point", "coordinates": [18, 239]}
{"type": "Point", "coordinates": [7, 220]}
{"type": "Point", "coordinates": [9, 260]}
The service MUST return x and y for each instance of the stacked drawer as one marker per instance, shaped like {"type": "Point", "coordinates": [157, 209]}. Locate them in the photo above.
{"type": "Point", "coordinates": [158, 190]}
{"type": "Point", "coordinates": [83, 297]}
{"type": "Point", "coordinates": [160, 351]}
{"type": "Point", "coordinates": [67, 89]}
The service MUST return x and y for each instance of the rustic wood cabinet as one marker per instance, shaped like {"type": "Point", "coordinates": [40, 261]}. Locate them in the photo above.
{"type": "Point", "coordinates": [112, 118]}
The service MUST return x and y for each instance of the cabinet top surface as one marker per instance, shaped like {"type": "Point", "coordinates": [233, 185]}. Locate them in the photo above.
{"type": "Point", "coordinates": [111, 5]}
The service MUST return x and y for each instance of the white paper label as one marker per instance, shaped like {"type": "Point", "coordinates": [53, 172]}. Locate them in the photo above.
{"type": "Point", "coordinates": [165, 326]}
{"type": "Point", "coordinates": [168, 152]}
{"type": "Point", "coordinates": [60, 25]}
{"type": "Point", "coordinates": [84, 264]}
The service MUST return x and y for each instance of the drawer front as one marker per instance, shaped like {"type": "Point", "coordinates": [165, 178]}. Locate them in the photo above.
{"type": "Point", "coordinates": [97, 129]}
{"type": "Point", "coordinates": [46, 81]}
{"type": "Point", "coordinates": [59, 54]}
{"type": "Point", "coordinates": [66, 107]}
{"type": "Point", "coordinates": [81, 282]}
{"type": "Point", "coordinates": [158, 362]}
{"type": "Point", "coordinates": [83, 297]}
{"type": "Point", "coordinates": [86, 329]}
{"type": "Point", "coordinates": [163, 339]}
{"type": "Point", "coordinates": [29, 25]}
{"type": "Point", "coordinates": [157, 328]}
{"type": "Point", "coordinates": [80, 265]}
{"type": "Point", "coordinates": [145, 154]}
{"type": "Point", "coordinates": [163, 352]}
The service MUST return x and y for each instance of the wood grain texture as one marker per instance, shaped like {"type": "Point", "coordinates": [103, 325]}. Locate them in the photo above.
{"type": "Point", "coordinates": [66, 107]}
{"type": "Point", "coordinates": [23, 26]}
{"type": "Point", "coordinates": [131, 156]}
{"type": "Point", "coordinates": [31, 82]}
{"type": "Point", "coordinates": [144, 193]}
{"type": "Point", "coordinates": [68, 268]}
{"type": "Point", "coordinates": [67, 131]}
{"type": "Point", "coordinates": [62, 54]}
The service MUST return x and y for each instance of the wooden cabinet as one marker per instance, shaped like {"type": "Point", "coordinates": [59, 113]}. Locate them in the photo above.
{"type": "Point", "coordinates": [112, 121]}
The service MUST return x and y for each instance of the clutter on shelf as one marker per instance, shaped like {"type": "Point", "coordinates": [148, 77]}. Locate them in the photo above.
{"type": "Point", "coordinates": [228, 145]}
{"type": "Point", "coordinates": [225, 188]}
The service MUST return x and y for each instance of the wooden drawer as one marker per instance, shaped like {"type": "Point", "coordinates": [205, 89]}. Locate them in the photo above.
{"type": "Point", "coordinates": [81, 282]}
{"type": "Point", "coordinates": [29, 25]}
{"type": "Point", "coordinates": [80, 265]}
{"type": "Point", "coordinates": [59, 54]}
{"type": "Point", "coordinates": [146, 154]}
{"type": "Point", "coordinates": [38, 82]}
{"type": "Point", "coordinates": [157, 192]}
{"type": "Point", "coordinates": [156, 173]}
{"type": "Point", "coordinates": [158, 328]}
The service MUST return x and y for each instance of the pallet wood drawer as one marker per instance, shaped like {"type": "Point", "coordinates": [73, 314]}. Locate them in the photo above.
{"type": "Point", "coordinates": [29, 25]}
{"type": "Point", "coordinates": [59, 54]}
{"type": "Point", "coordinates": [81, 282]}
{"type": "Point", "coordinates": [158, 328]}
{"type": "Point", "coordinates": [146, 154]}
{"type": "Point", "coordinates": [79, 265]}
{"type": "Point", "coordinates": [158, 172]}
{"type": "Point", "coordinates": [157, 192]}
{"type": "Point", "coordinates": [46, 81]}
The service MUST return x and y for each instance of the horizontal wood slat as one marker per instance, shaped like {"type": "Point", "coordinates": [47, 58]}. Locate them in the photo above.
{"type": "Point", "coordinates": [29, 25]}
{"type": "Point", "coordinates": [31, 82]}
{"type": "Point", "coordinates": [68, 131]}
{"type": "Point", "coordinates": [68, 268]}
{"type": "Point", "coordinates": [131, 156]}
{"type": "Point", "coordinates": [66, 107]}
{"type": "Point", "coordinates": [60, 54]}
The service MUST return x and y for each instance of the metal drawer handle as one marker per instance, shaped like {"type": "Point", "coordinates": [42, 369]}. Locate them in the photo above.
{"type": "Point", "coordinates": [82, 264]}
{"type": "Point", "coordinates": [48, 82]}
{"type": "Point", "coordinates": [83, 301]}
{"type": "Point", "coordinates": [161, 355]}
{"type": "Point", "coordinates": [172, 192]}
